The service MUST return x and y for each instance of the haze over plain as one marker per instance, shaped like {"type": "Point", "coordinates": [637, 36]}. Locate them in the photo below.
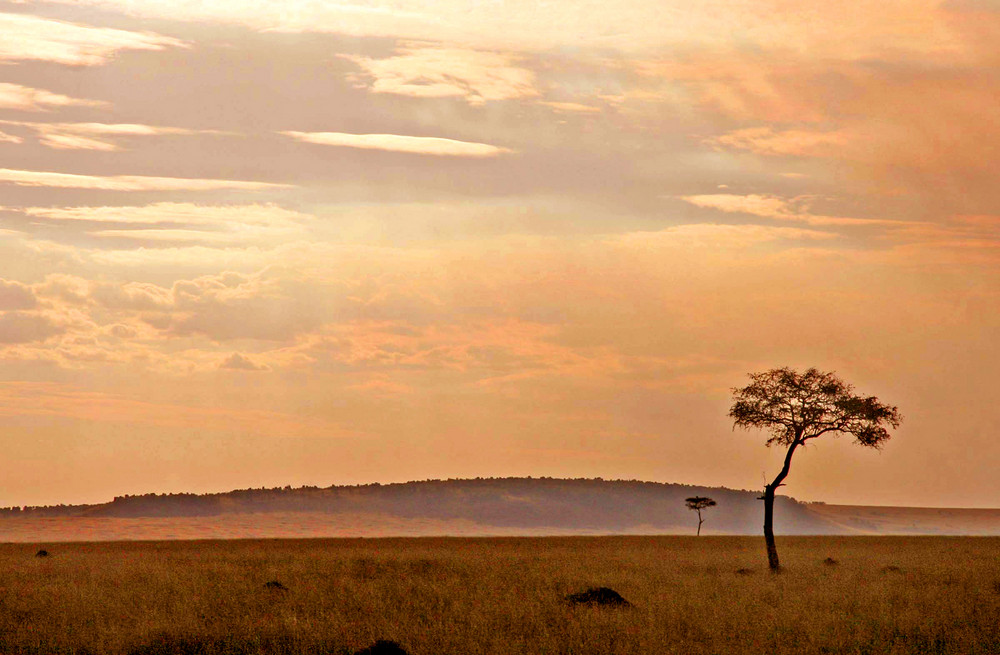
{"type": "Point", "coordinates": [258, 244]}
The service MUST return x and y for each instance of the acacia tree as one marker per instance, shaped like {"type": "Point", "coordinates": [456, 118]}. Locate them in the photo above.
{"type": "Point", "coordinates": [798, 407]}
{"type": "Point", "coordinates": [698, 503]}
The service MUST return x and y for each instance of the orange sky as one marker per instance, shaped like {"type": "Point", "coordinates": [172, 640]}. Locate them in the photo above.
{"type": "Point", "coordinates": [247, 244]}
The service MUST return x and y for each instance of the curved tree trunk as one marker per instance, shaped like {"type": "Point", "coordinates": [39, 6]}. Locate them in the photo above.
{"type": "Point", "coordinates": [772, 549]}
{"type": "Point", "coordinates": [768, 498]}
{"type": "Point", "coordinates": [700, 521]}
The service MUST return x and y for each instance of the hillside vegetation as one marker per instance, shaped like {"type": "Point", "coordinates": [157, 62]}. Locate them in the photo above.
{"type": "Point", "coordinates": [559, 504]}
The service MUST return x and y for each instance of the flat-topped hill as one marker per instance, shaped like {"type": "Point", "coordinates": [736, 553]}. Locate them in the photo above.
{"type": "Point", "coordinates": [586, 505]}
{"type": "Point", "coordinates": [471, 507]}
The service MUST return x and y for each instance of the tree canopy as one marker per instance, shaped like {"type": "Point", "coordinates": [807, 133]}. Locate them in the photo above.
{"type": "Point", "coordinates": [699, 502]}
{"type": "Point", "coordinates": [795, 408]}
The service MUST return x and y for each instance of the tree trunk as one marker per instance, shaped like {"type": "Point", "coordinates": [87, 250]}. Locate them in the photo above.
{"type": "Point", "coordinates": [699, 523]}
{"type": "Point", "coordinates": [768, 498]}
{"type": "Point", "coordinates": [772, 549]}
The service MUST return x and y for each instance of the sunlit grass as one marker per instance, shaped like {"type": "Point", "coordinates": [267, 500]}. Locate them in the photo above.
{"type": "Point", "coordinates": [498, 596]}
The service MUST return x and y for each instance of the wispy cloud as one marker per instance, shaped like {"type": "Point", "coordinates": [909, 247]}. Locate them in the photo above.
{"type": "Point", "coordinates": [177, 234]}
{"type": "Point", "coordinates": [82, 136]}
{"type": "Point", "coordinates": [711, 236]}
{"type": "Point", "coordinates": [63, 141]}
{"type": "Point", "coordinates": [766, 206]}
{"type": "Point", "coordinates": [126, 182]}
{"type": "Point", "coordinates": [422, 145]}
{"type": "Point", "coordinates": [163, 222]}
{"type": "Point", "coordinates": [180, 213]}
{"type": "Point", "coordinates": [571, 107]}
{"type": "Point", "coordinates": [768, 141]}
{"type": "Point", "coordinates": [26, 98]}
{"type": "Point", "coordinates": [436, 72]}
{"type": "Point", "coordinates": [28, 37]}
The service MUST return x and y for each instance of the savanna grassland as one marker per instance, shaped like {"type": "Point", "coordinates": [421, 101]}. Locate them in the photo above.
{"type": "Point", "coordinates": [502, 596]}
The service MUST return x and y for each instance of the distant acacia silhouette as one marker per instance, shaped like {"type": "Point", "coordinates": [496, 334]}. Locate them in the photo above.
{"type": "Point", "coordinates": [698, 503]}
{"type": "Point", "coordinates": [798, 407]}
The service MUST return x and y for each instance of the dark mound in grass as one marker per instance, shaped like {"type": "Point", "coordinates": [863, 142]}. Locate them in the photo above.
{"type": "Point", "coordinates": [598, 596]}
{"type": "Point", "coordinates": [744, 571]}
{"type": "Point", "coordinates": [42, 553]}
{"type": "Point", "coordinates": [274, 585]}
{"type": "Point", "coordinates": [891, 569]}
{"type": "Point", "coordinates": [829, 561]}
{"type": "Point", "coordinates": [382, 647]}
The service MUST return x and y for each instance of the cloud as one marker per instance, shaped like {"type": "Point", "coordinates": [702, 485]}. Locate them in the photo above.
{"type": "Point", "coordinates": [25, 98]}
{"type": "Point", "coordinates": [61, 141]}
{"type": "Point", "coordinates": [238, 362]}
{"type": "Point", "coordinates": [955, 236]}
{"type": "Point", "coordinates": [34, 38]}
{"type": "Point", "coordinates": [80, 136]}
{"type": "Point", "coordinates": [177, 235]}
{"type": "Point", "coordinates": [126, 182]}
{"type": "Point", "coordinates": [716, 237]}
{"type": "Point", "coordinates": [117, 129]}
{"type": "Point", "coordinates": [751, 204]}
{"type": "Point", "coordinates": [421, 145]}
{"type": "Point", "coordinates": [437, 72]}
{"type": "Point", "coordinates": [175, 213]}
{"type": "Point", "coordinates": [23, 327]}
{"type": "Point", "coordinates": [799, 143]}
{"type": "Point", "coordinates": [181, 222]}
{"type": "Point", "coordinates": [141, 296]}
{"type": "Point", "coordinates": [122, 331]}
{"type": "Point", "coordinates": [233, 306]}
{"type": "Point", "coordinates": [896, 126]}
{"type": "Point", "coordinates": [273, 305]}
{"type": "Point", "coordinates": [571, 107]}
{"type": "Point", "coordinates": [14, 295]}
{"type": "Point", "coordinates": [795, 209]}
{"type": "Point", "coordinates": [195, 257]}
{"type": "Point", "coordinates": [10, 138]}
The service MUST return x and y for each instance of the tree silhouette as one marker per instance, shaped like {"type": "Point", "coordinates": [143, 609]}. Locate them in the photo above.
{"type": "Point", "coordinates": [698, 503]}
{"type": "Point", "coordinates": [796, 408]}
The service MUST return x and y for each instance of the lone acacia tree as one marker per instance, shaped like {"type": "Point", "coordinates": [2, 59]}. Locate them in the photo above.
{"type": "Point", "coordinates": [698, 503]}
{"type": "Point", "coordinates": [798, 407]}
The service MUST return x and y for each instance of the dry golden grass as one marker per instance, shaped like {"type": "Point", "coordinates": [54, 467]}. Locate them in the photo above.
{"type": "Point", "coordinates": [272, 525]}
{"type": "Point", "coordinates": [503, 596]}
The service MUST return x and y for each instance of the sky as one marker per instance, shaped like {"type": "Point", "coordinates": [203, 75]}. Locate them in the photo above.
{"type": "Point", "coordinates": [250, 244]}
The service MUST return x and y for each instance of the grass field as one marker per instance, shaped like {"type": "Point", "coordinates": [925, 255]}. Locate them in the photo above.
{"type": "Point", "coordinates": [503, 595]}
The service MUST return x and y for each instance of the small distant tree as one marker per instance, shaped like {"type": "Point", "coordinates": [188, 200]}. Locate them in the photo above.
{"type": "Point", "coordinates": [698, 503]}
{"type": "Point", "coordinates": [799, 407]}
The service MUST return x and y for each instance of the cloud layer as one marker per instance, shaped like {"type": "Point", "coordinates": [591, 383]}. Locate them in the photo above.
{"type": "Point", "coordinates": [357, 241]}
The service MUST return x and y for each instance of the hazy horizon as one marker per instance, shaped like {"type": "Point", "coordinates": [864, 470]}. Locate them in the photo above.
{"type": "Point", "coordinates": [250, 244]}
{"type": "Point", "coordinates": [223, 492]}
